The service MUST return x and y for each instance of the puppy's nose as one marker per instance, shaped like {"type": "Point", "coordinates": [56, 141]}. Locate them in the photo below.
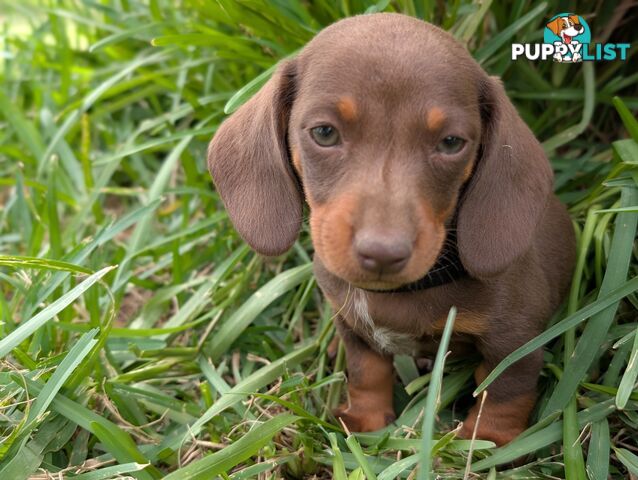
{"type": "Point", "coordinates": [382, 253]}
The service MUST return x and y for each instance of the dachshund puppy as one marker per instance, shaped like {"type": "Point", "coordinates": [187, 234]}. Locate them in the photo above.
{"type": "Point", "coordinates": [425, 190]}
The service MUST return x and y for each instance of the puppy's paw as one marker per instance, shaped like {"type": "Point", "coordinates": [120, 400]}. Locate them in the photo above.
{"type": "Point", "coordinates": [359, 420]}
{"type": "Point", "coordinates": [493, 432]}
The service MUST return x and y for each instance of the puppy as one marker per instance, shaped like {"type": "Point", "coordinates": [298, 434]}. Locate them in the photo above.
{"type": "Point", "coordinates": [425, 190]}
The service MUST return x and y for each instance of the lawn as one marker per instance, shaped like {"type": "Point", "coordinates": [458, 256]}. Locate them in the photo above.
{"type": "Point", "coordinates": [141, 338]}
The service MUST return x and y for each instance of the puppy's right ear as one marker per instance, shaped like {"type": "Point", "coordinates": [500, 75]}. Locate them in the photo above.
{"type": "Point", "coordinates": [249, 161]}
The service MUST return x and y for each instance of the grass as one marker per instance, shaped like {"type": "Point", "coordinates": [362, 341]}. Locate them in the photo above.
{"type": "Point", "coordinates": [139, 337]}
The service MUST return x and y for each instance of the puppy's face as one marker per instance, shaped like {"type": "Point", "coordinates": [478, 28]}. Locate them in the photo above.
{"type": "Point", "coordinates": [382, 142]}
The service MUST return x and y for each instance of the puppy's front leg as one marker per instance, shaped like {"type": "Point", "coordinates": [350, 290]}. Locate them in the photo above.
{"type": "Point", "coordinates": [510, 398]}
{"type": "Point", "coordinates": [370, 382]}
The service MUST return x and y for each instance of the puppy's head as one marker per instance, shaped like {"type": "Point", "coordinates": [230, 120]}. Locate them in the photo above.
{"type": "Point", "coordinates": [383, 122]}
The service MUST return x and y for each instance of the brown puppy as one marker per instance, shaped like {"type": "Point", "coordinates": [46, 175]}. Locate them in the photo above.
{"type": "Point", "coordinates": [426, 190]}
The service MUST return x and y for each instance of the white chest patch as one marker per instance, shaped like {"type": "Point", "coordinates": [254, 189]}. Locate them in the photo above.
{"type": "Point", "coordinates": [383, 338]}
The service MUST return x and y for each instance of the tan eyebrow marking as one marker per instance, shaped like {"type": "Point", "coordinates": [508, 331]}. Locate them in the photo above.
{"type": "Point", "coordinates": [434, 118]}
{"type": "Point", "coordinates": [347, 108]}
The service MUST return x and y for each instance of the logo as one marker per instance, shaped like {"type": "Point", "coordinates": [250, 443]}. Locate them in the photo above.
{"type": "Point", "coordinates": [567, 39]}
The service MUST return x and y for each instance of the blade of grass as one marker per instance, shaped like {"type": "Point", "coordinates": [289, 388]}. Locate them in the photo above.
{"type": "Point", "coordinates": [142, 230]}
{"type": "Point", "coordinates": [72, 359]}
{"type": "Point", "coordinates": [628, 459]}
{"type": "Point", "coordinates": [116, 441]}
{"type": "Point", "coordinates": [558, 329]}
{"type": "Point", "coordinates": [628, 381]}
{"type": "Point", "coordinates": [254, 382]}
{"type": "Point", "coordinates": [598, 453]}
{"type": "Point", "coordinates": [355, 448]}
{"type": "Point", "coordinates": [27, 328]}
{"type": "Point", "coordinates": [338, 467]}
{"type": "Point", "coordinates": [233, 327]}
{"type": "Point", "coordinates": [631, 124]}
{"type": "Point", "coordinates": [115, 471]}
{"type": "Point", "coordinates": [506, 34]}
{"type": "Point", "coordinates": [589, 95]}
{"type": "Point", "coordinates": [596, 329]}
{"type": "Point", "coordinates": [90, 99]}
{"type": "Point", "coordinates": [527, 444]}
{"type": "Point", "coordinates": [434, 392]}
{"type": "Point", "coordinates": [240, 450]}
{"type": "Point", "coordinates": [572, 450]}
{"type": "Point", "coordinates": [18, 261]}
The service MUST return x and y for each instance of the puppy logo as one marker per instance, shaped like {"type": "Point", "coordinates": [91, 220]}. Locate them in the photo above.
{"type": "Point", "coordinates": [568, 33]}
{"type": "Point", "coordinates": [567, 39]}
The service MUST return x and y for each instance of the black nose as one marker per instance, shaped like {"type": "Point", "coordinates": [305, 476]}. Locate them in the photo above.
{"type": "Point", "coordinates": [382, 253]}
{"type": "Point", "coordinates": [579, 27]}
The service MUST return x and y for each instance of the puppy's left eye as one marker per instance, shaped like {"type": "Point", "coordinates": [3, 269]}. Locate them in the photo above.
{"type": "Point", "coordinates": [325, 135]}
{"type": "Point", "coordinates": [450, 145]}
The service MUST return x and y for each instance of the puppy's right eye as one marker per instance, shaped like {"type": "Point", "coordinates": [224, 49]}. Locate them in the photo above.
{"type": "Point", "coordinates": [325, 135]}
{"type": "Point", "coordinates": [450, 145]}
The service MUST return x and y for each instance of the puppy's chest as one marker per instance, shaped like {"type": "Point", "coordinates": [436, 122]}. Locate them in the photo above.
{"type": "Point", "coordinates": [394, 334]}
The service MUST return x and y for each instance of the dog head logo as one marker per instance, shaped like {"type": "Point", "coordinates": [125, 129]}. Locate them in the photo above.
{"type": "Point", "coordinates": [568, 33]}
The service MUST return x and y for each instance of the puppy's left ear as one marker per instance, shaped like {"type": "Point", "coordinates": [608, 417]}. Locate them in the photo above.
{"type": "Point", "coordinates": [508, 192]}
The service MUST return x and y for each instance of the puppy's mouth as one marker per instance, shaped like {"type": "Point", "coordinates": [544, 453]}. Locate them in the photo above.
{"type": "Point", "coordinates": [380, 285]}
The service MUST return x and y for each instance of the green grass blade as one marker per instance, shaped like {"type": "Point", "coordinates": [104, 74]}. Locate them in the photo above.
{"type": "Point", "coordinates": [631, 124]}
{"type": "Point", "coordinates": [589, 95]}
{"type": "Point", "coordinates": [558, 329]}
{"type": "Point", "coordinates": [240, 450]}
{"type": "Point", "coordinates": [117, 441]}
{"type": "Point", "coordinates": [338, 467]}
{"type": "Point", "coordinates": [628, 381]}
{"type": "Point", "coordinates": [116, 471]}
{"type": "Point", "coordinates": [506, 34]}
{"type": "Point", "coordinates": [399, 468]}
{"type": "Point", "coordinates": [362, 461]}
{"type": "Point", "coordinates": [72, 359]}
{"type": "Point", "coordinates": [17, 261]}
{"type": "Point", "coordinates": [598, 453]}
{"type": "Point", "coordinates": [27, 328]}
{"type": "Point", "coordinates": [526, 444]}
{"type": "Point", "coordinates": [237, 323]}
{"type": "Point", "coordinates": [254, 382]}
{"type": "Point", "coordinates": [25, 129]}
{"type": "Point", "coordinates": [596, 329]}
{"type": "Point", "coordinates": [434, 392]}
{"type": "Point", "coordinates": [628, 459]}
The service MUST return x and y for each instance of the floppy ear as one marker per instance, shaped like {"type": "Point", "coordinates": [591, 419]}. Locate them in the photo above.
{"type": "Point", "coordinates": [249, 161]}
{"type": "Point", "coordinates": [508, 191]}
{"type": "Point", "coordinates": [554, 26]}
